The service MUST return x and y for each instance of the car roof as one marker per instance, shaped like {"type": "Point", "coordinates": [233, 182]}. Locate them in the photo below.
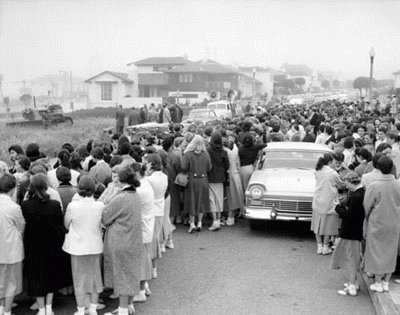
{"type": "Point", "coordinates": [303, 146]}
{"type": "Point", "coordinates": [224, 102]}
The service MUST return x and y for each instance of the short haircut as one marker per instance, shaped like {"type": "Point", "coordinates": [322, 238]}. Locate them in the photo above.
{"type": "Point", "coordinates": [382, 147]}
{"type": "Point", "coordinates": [116, 160]}
{"type": "Point", "coordinates": [86, 186]}
{"type": "Point", "coordinates": [385, 164]}
{"type": "Point", "coordinates": [348, 142]}
{"type": "Point", "coordinates": [155, 160]}
{"type": "Point", "coordinates": [124, 148]}
{"type": "Point", "coordinates": [7, 183]}
{"type": "Point", "coordinates": [24, 162]}
{"type": "Point", "coordinates": [16, 148]}
{"type": "Point", "coordinates": [98, 153]}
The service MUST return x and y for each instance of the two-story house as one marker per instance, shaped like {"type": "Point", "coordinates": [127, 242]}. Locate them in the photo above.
{"type": "Point", "coordinates": [150, 75]}
{"type": "Point", "coordinates": [196, 80]}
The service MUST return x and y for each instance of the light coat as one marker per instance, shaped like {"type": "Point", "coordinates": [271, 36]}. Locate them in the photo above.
{"type": "Point", "coordinates": [123, 243]}
{"type": "Point", "coordinates": [83, 221]}
{"type": "Point", "coordinates": [12, 225]}
{"type": "Point", "coordinates": [324, 218]}
{"type": "Point", "coordinates": [382, 212]}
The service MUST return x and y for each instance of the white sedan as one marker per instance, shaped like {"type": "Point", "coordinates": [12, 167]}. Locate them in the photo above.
{"type": "Point", "coordinates": [283, 182]}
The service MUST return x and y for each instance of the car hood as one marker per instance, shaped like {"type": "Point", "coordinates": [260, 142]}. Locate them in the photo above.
{"type": "Point", "coordinates": [286, 181]}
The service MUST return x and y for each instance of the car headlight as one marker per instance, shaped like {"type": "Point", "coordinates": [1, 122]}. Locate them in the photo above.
{"type": "Point", "coordinates": [256, 192]}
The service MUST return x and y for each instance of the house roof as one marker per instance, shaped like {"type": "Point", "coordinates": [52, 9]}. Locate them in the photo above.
{"type": "Point", "coordinates": [258, 69]}
{"type": "Point", "coordinates": [297, 69]}
{"type": "Point", "coordinates": [208, 66]}
{"type": "Point", "coordinates": [155, 61]}
{"type": "Point", "coordinates": [120, 75]}
{"type": "Point", "coordinates": [153, 79]}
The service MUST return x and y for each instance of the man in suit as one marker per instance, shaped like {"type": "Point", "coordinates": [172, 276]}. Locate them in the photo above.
{"type": "Point", "coordinates": [120, 120]}
{"type": "Point", "coordinates": [134, 117]}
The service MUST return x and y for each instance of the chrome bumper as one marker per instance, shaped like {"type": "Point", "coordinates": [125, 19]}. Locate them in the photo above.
{"type": "Point", "coordinates": [265, 214]}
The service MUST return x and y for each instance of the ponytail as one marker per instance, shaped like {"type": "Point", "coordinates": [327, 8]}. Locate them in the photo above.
{"type": "Point", "coordinates": [323, 160]}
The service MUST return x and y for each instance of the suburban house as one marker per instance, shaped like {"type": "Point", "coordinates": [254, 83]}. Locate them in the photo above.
{"type": "Point", "coordinates": [264, 75]}
{"type": "Point", "coordinates": [195, 80]}
{"type": "Point", "coordinates": [108, 88]}
{"type": "Point", "coordinates": [150, 75]}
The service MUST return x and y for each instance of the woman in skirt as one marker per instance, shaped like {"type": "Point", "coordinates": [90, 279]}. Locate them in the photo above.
{"type": "Point", "coordinates": [146, 194]}
{"type": "Point", "coordinates": [85, 245]}
{"type": "Point", "coordinates": [12, 225]}
{"type": "Point", "coordinates": [348, 251]}
{"type": "Point", "coordinates": [325, 221]}
{"type": "Point", "coordinates": [46, 266]}
{"type": "Point", "coordinates": [159, 182]}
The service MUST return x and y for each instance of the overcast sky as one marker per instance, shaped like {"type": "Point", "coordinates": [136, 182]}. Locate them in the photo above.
{"type": "Point", "coordinates": [39, 37]}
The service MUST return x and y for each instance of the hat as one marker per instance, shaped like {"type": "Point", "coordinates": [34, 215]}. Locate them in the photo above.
{"type": "Point", "coordinates": [63, 174]}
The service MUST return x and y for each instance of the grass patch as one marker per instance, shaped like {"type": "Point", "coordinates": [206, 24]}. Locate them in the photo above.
{"type": "Point", "coordinates": [50, 140]}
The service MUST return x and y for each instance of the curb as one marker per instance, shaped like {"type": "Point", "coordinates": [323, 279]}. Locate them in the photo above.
{"type": "Point", "coordinates": [382, 302]}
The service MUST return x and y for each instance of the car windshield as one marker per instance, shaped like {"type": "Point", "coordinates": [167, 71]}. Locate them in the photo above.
{"type": "Point", "coordinates": [289, 159]}
{"type": "Point", "coordinates": [201, 114]}
{"type": "Point", "coordinates": [216, 106]}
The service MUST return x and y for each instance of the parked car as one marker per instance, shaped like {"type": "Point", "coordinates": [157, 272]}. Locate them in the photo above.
{"type": "Point", "coordinates": [200, 117]}
{"type": "Point", "coordinates": [223, 108]}
{"type": "Point", "coordinates": [283, 183]}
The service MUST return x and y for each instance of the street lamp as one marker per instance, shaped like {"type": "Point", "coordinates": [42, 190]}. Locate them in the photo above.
{"type": "Point", "coordinates": [253, 84]}
{"type": "Point", "coordinates": [371, 56]}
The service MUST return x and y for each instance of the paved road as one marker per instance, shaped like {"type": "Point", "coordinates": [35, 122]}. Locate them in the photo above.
{"type": "Point", "coordinates": [239, 271]}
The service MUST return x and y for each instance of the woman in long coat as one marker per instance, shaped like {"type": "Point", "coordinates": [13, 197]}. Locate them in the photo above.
{"type": "Point", "coordinates": [235, 189]}
{"type": "Point", "coordinates": [216, 178]}
{"type": "Point", "coordinates": [382, 211]}
{"type": "Point", "coordinates": [325, 221]}
{"type": "Point", "coordinates": [123, 246]}
{"type": "Point", "coordinates": [196, 163]}
{"type": "Point", "coordinates": [47, 267]}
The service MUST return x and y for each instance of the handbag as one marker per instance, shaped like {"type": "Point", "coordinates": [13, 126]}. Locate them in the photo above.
{"type": "Point", "coordinates": [182, 179]}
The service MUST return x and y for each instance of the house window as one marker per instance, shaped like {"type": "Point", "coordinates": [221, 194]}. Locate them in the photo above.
{"type": "Point", "coordinates": [106, 91]}
{"type": "Point", "coordinates": [185, 78]}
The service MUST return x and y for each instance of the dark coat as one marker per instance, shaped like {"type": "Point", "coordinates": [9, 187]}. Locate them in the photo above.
{"type": "Point", "coordinates": [46, 266]}
{"type": "Point", "coordinates": [352, 216]}
{"type": "Point", "coordinates": [219, 164]}
{"type": "Point", "coordinates": [120, 117]}
{"type": "Point", "coordinates": [134, 118]}
{"type": "Point", "coordinates": [197, 166]}
{"type": "Point", "coordinates": [173, 168]}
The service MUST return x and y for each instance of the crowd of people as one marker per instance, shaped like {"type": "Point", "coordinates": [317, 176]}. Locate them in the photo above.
{"type": "Point", "coordinates": [105, 212]}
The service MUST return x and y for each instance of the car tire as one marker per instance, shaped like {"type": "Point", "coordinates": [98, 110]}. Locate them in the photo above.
{"type": "Point", "coordinates": [256, 224]}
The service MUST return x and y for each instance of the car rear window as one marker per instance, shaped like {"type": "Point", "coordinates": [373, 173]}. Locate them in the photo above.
{"type": "Point", "coordinates": [289, 159]}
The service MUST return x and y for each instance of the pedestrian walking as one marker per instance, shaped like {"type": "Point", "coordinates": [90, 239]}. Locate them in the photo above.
{"type": "Point", "coordinates": [120, 120]}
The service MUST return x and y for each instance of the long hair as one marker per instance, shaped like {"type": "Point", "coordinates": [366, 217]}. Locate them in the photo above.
{"type": "Point", "coordinates": [324, 160]}
{"type": "Point", "coordinates": [196, 145]}
{"type": "Point", "coordinates": [38, 187]}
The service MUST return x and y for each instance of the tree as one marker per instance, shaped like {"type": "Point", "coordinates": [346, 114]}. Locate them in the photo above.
{"type": "Point", "coordinates": [361, 83]}
{"type": "Point", "coordinates": [300, 81]}
{"type": "Point", "coordinates": [336, 83]}
{"type": "Point", "coordinates": [325, 84]}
